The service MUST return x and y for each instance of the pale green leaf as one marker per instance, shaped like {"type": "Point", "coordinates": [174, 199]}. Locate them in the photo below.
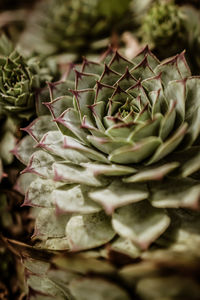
{"type": "Point", "coordinates": [140, 222]}
{"type": "Point", "coordinates": [118, 194]}
{"type": "Point", "coordinates": [50, 225]}
{"type": "Point", "coordinates": [152, 173]}
{"type": "Point", "coordinates": [176, 193]}
{"type": "Point", "coordinates": [98, 289]}
{"type": "Point", "coordinates": [74, 199]}
{"type": "Point", "coordinates": [75, 174]}
{"type": "Point", "coordinates": [136, 153]}
{"type": "Point", "coordinates": [89, 231]}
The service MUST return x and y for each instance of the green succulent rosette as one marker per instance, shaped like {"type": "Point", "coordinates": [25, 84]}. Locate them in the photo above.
{"type": "Point", "coordinates": [20, 78]}
{"type": "Point", "coordinates": [113, 173]}
{"type": "Point", "coordinates": [117, 160]}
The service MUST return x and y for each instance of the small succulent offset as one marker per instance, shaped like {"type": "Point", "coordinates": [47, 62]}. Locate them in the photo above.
{"type": "Point", "coordinates": [19, 80]}
{"type": "Point", "coordinates": [117, 160]}
{"type": "Point", "coordinates": [170, 28]}
{"type": "Point", "coordinates": [164, 25]}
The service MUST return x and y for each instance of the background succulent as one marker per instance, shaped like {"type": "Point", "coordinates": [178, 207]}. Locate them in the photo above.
{"type": "Point", "coordinates": [116, 163]}
{"type": "Point", "coordinates": [78, 27]}
{"type": "Point", "coordinates": [170, 28]}
{"type": "Point", "coordinates": [19, 80]}
{"type": "Point", "coordinates": [163, 26]}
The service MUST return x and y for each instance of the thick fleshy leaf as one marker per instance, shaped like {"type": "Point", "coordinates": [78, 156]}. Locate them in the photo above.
{"type": "Point", "coordinates": [76, 174]}
{"type": "Point", "coordinates": [89, 231]}
{"type": "Point", "coordinates": [55, 143]}
{"type": "Point", "coordinates": [126, 80]}
{"type": "Point", "coordinates": [109, 76]}
{"type": "Point", "coordinates": [168, 121]}
{"type": "Point", "coordinates": [176, 91]}
{"type": "Point", "coordinates": [106, 145]}
{"type": "Point", "coordinates": [169, 145]}
{"type": "Point", "coordinates": [119, 63]}
{"type": "Point", "coordinates": [103, 92]}
{"type": "Point", "coordinates": [84, 80]}
{"type": "Point", "coordinates": [74, 199]}
{"type": "Point", "coordinates": [70, 124]}
{"type": "Point", "coordinates": [176, 193]}
{"type": "Point", "coordinates": [41, 163]}
{"type": "Point", "coordinates": [136, 153]}
{"type": "Point", "coordinates": [70, 143]}
{"type": "Point", "coordinates": [193, 129]}
{"type": "Point", "coordinates": [189, 160]}
{"type": "Point", "coordinates": [184, 231]}
{"type": "Point", "coordinates": [118, 194]}
{"type": "Point", "coordinates": [174, 68]}
{"type": "Point", "coordinates": [84, 98]}
{"type": "Point", "coordinates": [152, 173]}
{"type": "Point", "coordinates": [151, 58]}
{"type": "Point", "coordinates": [140, 222]}
{"type": "Point", "coordinates": [108, 170]}
{"type": "Point", "coordinates": [50, 225]}
{"type": "Point", "coordinates": [36, 266]}
{"type": "Point", "coordinates": [153, 83]}
{"type": "Point", "coordinates": [98, 289]}
{"type": "Point", "coordinates": [40, 126]}
{"type": "Point", "coordinates": [83, 263]}
{"type": "Point", "coordinates": [39, 192]}
{"type": "Point", "coordinates": [7, 144]}
{"type": "Point", "coordinates": [59, 105]}
{"type": "Point", "coordinates": [125, 247]}
{"type": "Point", "coordinates": [146, 129]}
{"type": "Point", "coordinates": [57, 243]}
{"type": "Point", "coordinates": [46, 288]}
{"type": "Point", "coordinates": [143, 69]}
{"type": "Point", "coordinates": [24, 149]}
{"type": "Point", "coordinates": [23, 182]}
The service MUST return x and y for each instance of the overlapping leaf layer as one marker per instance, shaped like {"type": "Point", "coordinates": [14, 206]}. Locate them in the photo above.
{"type": "Point", "coordinates": [117, 160]}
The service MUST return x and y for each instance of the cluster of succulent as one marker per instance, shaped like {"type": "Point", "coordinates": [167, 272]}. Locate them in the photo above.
{"type": "Point", "coordinates": [111, 184]}
{"type": "Point", "coordinates": [114, 167]}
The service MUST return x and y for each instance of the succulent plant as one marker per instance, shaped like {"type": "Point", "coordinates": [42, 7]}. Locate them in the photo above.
{"type": "Point", "coordinates": [77, 27]}
{"type": "Point", "coordinates": [19, 80]}
{"type": "Point", "coordinates": [170, 28]}
{"type": "Point", "coordinates": [164, 25]}
{"type": "Point", "coordinates": [115, 165]}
